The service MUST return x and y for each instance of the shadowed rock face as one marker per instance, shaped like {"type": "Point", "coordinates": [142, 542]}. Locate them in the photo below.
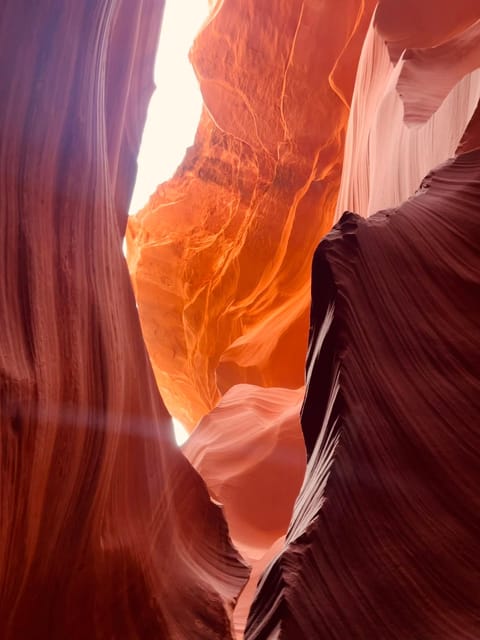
{"type": "Point", "coordinates": [383, 542]}
{"type": "Point", "coordinates": [106, 530]}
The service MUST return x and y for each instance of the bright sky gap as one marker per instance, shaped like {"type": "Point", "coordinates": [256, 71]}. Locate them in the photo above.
{"type": "Point", "coordinates": [176, 104]}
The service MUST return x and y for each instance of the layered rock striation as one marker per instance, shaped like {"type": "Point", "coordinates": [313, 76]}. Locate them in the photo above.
{"type": "Point", "coordinates": [384, 537]}
{"type": "Point", "coordinates": [106, 530]}
{"type": "Point", "coordinates": [251, 454]}
{"type": "Point", "coordinates": [387, 545]}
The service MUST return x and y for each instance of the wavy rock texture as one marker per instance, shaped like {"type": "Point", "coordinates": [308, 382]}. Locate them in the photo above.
{"type": "Point", "coordinates": [250, 452]}
{"type": "Point", "coordinates": [390, 547]}
{"type": "Point", "coordinates": [422, 25]}
{"type": "Point", "coordinates": [384, 538]}
{"type": "Point", "coordinates": [220, 258]}
{"type": "Point", "coordinates": [471, 137]}
{"type": "Point", "coordinates": [107, 531]}
{"type": "Point", "coordinates": [263, 421]}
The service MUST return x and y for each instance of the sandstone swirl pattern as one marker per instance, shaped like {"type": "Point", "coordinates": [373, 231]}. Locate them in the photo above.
{"type": "Point", "coordinates": [315, 112]}
{"type": "Point", "coordinates": [220, 257]}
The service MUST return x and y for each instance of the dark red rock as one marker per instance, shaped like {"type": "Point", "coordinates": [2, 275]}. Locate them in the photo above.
{"type": "Point", "coordinates": [388, 547]}
{"type": "Point", "coordinates": [106, 530]}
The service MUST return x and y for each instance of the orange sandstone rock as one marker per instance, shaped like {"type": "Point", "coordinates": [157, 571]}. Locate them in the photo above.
{"type": "Point", "coordinates": [220, 258]}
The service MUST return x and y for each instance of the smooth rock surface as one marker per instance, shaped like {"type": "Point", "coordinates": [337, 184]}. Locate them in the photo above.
{"type": "Point", "coordinates": [106, 530]}
{"type": "Point", "coordinates": [385, 155]}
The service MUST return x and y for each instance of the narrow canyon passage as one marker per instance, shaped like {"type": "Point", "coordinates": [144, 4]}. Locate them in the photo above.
{"type": "Point", "coordinates": [301, 293]}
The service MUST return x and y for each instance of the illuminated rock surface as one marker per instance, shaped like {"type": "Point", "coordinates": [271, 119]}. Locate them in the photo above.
{"type": "Point", "coordinates": [242, 468]}
{"type": "Point", "coordinates": [106, 530]}
{"type": "Point", "coordinates": [220, 258]}
{"type": "Point", "coordinates": [250, 452]}
{"type": "Point", "coordinates": [396, 134]}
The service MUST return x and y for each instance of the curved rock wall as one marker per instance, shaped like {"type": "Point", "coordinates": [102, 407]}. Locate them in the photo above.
{"type": "Point", "coordinates": [384, 537]}
{"type": "Point", "coordinates": [220, 257]}
{"type": "Point", "coordinates": [251, 454]}
{"type": "Point", "coordinates": [388, 547]}
{"type": "Point", "coordinates": [106, 530]}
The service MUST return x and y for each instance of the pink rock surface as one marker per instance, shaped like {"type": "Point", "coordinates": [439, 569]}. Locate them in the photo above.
{"type": "Point", "coordinates": [241, 449]}
{"type": "Point", "coordinates": [420, 25]}
{"type": "Point", "coordinates": [108, 531]}
{"type": "Point", "coordinates": [385, 157]}
{"type": "Point", "coordinates": [429, 75]}
{"type": "Point", "coordinates": [250, 452]}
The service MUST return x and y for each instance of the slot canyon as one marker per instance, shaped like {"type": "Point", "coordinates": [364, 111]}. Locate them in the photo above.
{"type": "Point", "coordinates": [303, 295]}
